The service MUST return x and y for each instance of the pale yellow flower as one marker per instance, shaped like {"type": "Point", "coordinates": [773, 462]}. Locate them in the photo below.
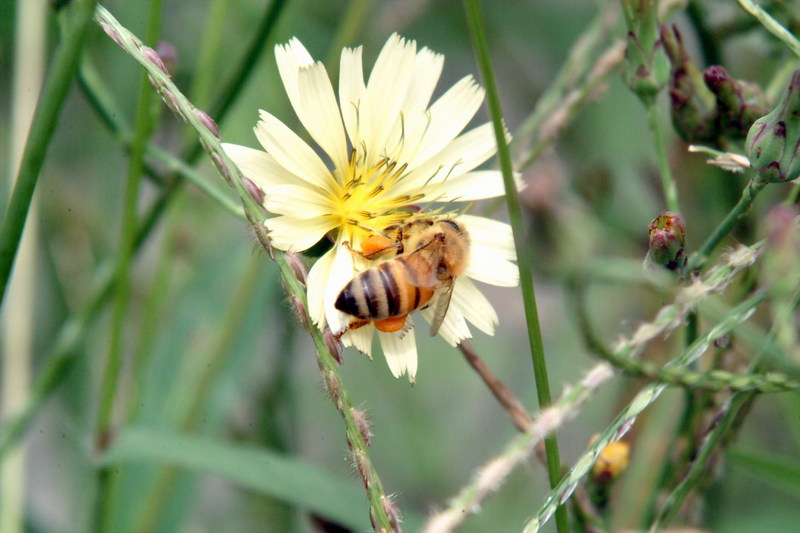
{"type": "Point", "coordinates": [389, 151]}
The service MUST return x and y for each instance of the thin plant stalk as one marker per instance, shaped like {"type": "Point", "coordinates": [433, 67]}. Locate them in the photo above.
{"type": "Point", "coordinates": [699, 258]}
{"type": "Point", "coordinates": [728, 422]}
{"type": "Point", "coordinates": [107, 480]}
{"type": "Point", "coordinates": [59, 359]}
{"type": "Point", "coordinates": [668, 185]}
{"type": "Point", "coordinates": [18, 315]}
{"type": "Point", "coordinates": [383, 512]}
{"type": "Point", "coordinates": [772, 25]}
{"type": "Point", "coordinates": [62, 71]}
{"type": "Point", "coordinates": [519, 416]}
{"type": "Point", "coordinates": [627, 417]}
{"type": "Point", "coordinates": [476, 25]}
{"type": "Point", "coordinates": [492, 475]}
{"type": "Point", "coordinates": [571, 75]}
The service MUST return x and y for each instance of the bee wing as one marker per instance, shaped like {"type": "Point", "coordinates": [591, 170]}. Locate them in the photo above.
{"type": "Point", "coordinates": [441, 305]}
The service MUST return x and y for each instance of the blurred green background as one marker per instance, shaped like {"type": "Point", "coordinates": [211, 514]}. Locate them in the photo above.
{"type": "Point", "coordinates": [211, 348]}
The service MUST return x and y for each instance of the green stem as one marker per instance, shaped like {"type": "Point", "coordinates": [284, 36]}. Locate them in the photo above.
{"type": "Point", "coordinates": [667, 181]}
{"type": "Point", "coordinates": [701, 461]}
{"type": "Point", "coordinates": [714, 380]}
{"type": "Point", "coordinates": [627, 417]}
{"type": "Point", "coordinates": [772, 25]}
{"type": "Point", "coordinates": [380, 505]}
{"type": "Point", "coordinates": [107, 486]}
{"type": "Point", "coordinates": [699, 258]}
{"type": "Point", "coordinates": [54, 93]}
{"type": "Point", "coordinates": [59, 359]}
{"type": "Point", "coordinates": [476, 26]}
{"type": "Point", "coordinates": [727, 424]}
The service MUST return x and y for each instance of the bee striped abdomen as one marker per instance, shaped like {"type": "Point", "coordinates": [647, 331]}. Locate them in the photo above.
{"type": "Point", "coordinates": [390, 289]}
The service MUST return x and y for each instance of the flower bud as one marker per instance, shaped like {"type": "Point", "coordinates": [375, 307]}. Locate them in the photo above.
{"type": "Point", "coordinates": [253, 190]}
{"type": "Point", "coordinates": [612, 461]}
{"type": "Point", "coordinates": [667, 240]}
{"type": "Point", "coordinates": [207, 121]}
{"type": "Point", "coordinates": [694, 111]}
{"type": "Point", "coordinates": [772, 143]}
{"type": "Point", "coordinates": [155, 59]}
{"type": "Point", "coordinates": [739, 103]}
{"type": "Point", "coordinates": [646, 67]}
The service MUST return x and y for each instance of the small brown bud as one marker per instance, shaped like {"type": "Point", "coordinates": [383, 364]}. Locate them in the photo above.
{"type": "Point", "coordinates": [667, 241]}
{"type": "Point", "coordinates": [155, 59]}
{"type": "Point", "coordinates": [253, 190]}
{"type": "Point", "coordinates": [299, 310]}
{"type": "Point", "coordinates": [363, 424]}
{"type": "Point", "coordinates": [111, 32]}
{"type": "Point", "coordinates": [207, 121]}
{"type": "Point", "coordinates": [362, 465]}
{"type": "Point", "coordinates": [334, 345]}
{"type": "Point", "coordinates": [392, 512]}
{"type": "Point", "coordinates": [332, 386]}
{"type": "Point", "coordinates": [298, 267]}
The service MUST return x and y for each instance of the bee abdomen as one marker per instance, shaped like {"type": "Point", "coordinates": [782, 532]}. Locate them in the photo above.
{"type": "Point", "coordinates": [373, 294]}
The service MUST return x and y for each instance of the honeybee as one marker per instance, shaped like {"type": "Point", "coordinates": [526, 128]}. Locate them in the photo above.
{"type": "Point", "coordinates": [430, 255]}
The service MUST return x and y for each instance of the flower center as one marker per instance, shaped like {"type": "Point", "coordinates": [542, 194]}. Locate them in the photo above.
{"type": "Point", "coordinates": [365, 201]}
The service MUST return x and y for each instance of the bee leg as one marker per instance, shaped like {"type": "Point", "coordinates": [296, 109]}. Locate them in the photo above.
{"type": "Point", "coordinates": [355, 324]}
{"type": "Point", "coordinates": [375, 246]}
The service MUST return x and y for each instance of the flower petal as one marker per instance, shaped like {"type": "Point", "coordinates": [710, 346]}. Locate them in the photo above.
{"type": "Point", "coordinates": [386, 92]}
{"type": "Point", "coordinates": [259, 167]}
{"type": "Point", "coordinates": [475, 185]}
{"type": "Point", "coordinates": [400, 351]}
{"type": "Point", "coordinates": [297, 201]}
{"type": "Point", "coordinates": [426, 72]}
{"type": "Point", "coordinates": [341, 272]}
{"type": "Point", "coordinates": [351, 90]}
{"type": "Point", "coordinates": [291, 152]}
{"type": "Point", "coordinates": [361, 339]}
{"type": "Point", "coordinates": [491, 252]}
{"type": "Point", "coordinates": [450, 114]}
{"type": "Point", "coordinates": [454, 327]}
{"type": "Point", "coordinates": [291, 57]}
{"type": "Point", "coordinates": [316, 287]}
{"type": "Point", "coordinates": [320, 113]}
{"type": "Point", "coordinates": [459, 157]}
{"type": "Point", "coordinates": [470, 302]}
{"type": "Point", "coordinates": [295, 234]}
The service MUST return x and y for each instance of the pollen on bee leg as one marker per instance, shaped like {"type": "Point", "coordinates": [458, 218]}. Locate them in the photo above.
{"type": "Point", "coordinates": [391, 324]}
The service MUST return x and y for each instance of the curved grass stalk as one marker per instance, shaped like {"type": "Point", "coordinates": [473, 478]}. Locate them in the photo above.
{"type": "Point", "coordinates": [699, 258]}
{"type": "Point", "coordinates": [382, 510]}
{"type": "Point", "coordinates": [772, 25]}
{"type": "Point", "coordinates": [524, 260]}
{"type": "Point", "coordinates": [492, 475]}
{"type": "Point", "coordinates": [54, 93]}
{"type": "Point", "coordinates": [725, 425]}
{"type": "Point", "coordinates": [627, 417]}
{"type": "Point", "coordinates": [58, 360]}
